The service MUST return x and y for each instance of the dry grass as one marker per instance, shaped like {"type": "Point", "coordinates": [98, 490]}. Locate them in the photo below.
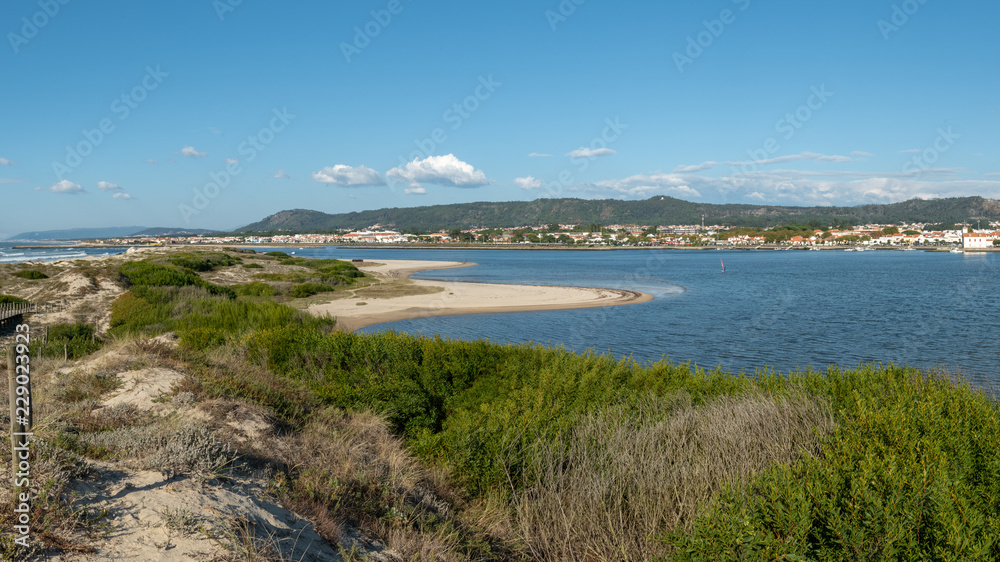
{"type": "Point", "coordinates": [54, 524]}
{"type": "Point", "coordinates": [160, 446]}
{"type": "Point", "coordinates": [621, 477]}
{"type": "Point", "coordinates": [349, 470]}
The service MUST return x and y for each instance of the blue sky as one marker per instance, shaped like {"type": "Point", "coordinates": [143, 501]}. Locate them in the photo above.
{"type": "Point", "coordinates": [214, 114]}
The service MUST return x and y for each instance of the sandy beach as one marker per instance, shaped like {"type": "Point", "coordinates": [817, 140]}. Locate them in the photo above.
{"type": "Point", "coordinates": [443, 298]}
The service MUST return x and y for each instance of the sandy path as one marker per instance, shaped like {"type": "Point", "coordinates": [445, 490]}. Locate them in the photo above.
{"type": "Point", "coordinates": [461, 297]}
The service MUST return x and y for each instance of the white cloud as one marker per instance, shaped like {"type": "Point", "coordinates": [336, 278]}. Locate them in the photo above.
{"type": "Point", "coordinates": [64, 186]}
{"type": "Point", "coordinates": [232, 161]}
{"type": "Point", "coordinates": [214, 131]}
{"type": "Point", "coordinates": [911, 151]}
{"type": "Point", "coordinates": [190, 152]}
{"type": "Point", "coordinates": [151, 161]}
{"type": "Point", "coordinates": [415, 191]}
{"type": "Point", "coordinates": [538, 155]}
{"type": "Point", "coordinates": [795, 187]}
{"type": "Point", "coordinates": [792, 187]}
{"type": "Point", "coordinates": [861, 154]}
{"type": "Point", "coordinates": [5, 162]}
{"type": "Point", "coordinates": [441, 170]}
{"type": "Point", "coordinates": [124, 196]}
{"type": "Point", "coordinates": [991, 175]}
{"type": "Point", "coordinates": [590, 152]}
{"type": "Point", "coordinates": [764, 162]}
{"type": "Point", "coordinates": [648, 185]}
{"type": "Point", "coordinates": [282, 175]}
{"type": "Point", "coordinates": [528, 182]}
{"type": "Point", "coordinates": [347, 176]}
{"type": "Point", "coordinates": [108, 186]}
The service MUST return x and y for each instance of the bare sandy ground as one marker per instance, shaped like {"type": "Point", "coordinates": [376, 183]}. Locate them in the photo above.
{"type": "Point", "coordinates": [460, 297]}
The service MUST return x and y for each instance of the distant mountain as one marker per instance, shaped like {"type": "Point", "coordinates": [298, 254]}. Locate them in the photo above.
{"type": "Point", "coordinates": [110, 232]}
{"type": "Point", "coordinates": [658, 210]}
{"type": "Point", "coordinates": [159, 231]}
{"type": "Point", "coordinates": [78, 233]}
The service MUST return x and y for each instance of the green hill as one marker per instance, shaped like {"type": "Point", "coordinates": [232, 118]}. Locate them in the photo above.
{"type": "Point", "coordinates": [658, 210]}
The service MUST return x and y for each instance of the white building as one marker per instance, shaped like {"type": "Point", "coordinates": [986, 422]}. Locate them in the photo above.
{"type": "Point", "coordinates": [979, 239]}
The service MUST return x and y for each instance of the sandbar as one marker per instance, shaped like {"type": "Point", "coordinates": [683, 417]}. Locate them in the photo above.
{"type": "Point", "coordinates": [459, 297]}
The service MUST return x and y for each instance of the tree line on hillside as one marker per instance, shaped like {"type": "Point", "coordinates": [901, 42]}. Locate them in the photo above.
{"type": "Point", "coordinates": [657, 210]}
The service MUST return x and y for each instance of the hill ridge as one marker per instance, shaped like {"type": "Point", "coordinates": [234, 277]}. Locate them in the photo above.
{"type": "Point", "coordinates": [659, 210]}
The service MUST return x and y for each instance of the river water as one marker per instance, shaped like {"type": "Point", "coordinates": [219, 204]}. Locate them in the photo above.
{"type": "Point", "coordinates": [778, 309]}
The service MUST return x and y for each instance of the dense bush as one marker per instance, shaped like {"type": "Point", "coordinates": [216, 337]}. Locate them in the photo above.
{"type": "Point", "coordinates": [72, 340]}
{"type": "Point", "coordinates": [255, 289]}
{"type": "Point", "coordinates": [204, 262]}
{"type": "Point", "coordinates": [158, 309]}
{"type": "Point", "coordinates": [148, 274]}
{"type": "Point", "coordinates": [8, 299]}
{"type": "Point", "coordinates": [308, 289]}
{"type": "Point", "coordinates": [912, 473]}
{"type": "Point", "coordinates": [31, 274]}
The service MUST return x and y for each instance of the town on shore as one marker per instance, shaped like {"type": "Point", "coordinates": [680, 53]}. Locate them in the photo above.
{"type": "Point", "coordinates": [691, 236]}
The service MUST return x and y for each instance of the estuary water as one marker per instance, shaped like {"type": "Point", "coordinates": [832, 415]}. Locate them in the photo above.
{"type": "Point", "coordinates": [778, 309]}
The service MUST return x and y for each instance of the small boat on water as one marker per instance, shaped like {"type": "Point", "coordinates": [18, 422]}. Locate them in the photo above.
{"type": "Point", "coordinates": [955, 251]}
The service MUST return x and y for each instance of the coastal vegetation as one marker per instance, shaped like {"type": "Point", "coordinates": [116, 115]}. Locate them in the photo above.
{"type": "Point", "coordinates": [474, 450]}
{"type": "Point", "coordinates": [877, 462]}
{"type": "Point", "coordinates": [31, 274]}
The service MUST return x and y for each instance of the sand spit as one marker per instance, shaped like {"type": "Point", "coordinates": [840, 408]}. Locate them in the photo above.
{"type": "Point", "coordinates": [459, 297]}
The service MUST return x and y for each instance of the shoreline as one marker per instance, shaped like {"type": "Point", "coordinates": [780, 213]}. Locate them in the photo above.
{"type": "Point", "coordinates": [450, 298]}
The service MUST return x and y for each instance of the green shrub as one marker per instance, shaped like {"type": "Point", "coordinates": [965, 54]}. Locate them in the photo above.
{"type": "Point", "coordinates": [152, 310]}
{"type": "Point", "coordinates": [31, 274]}
{"type": "Point", "coordinates": [308, 289]}
{"type": "Point", "coordinates": [204, 262]}
{"type": "Point", "coordinates": [255, 289]}
{"type": "Point", "coordinates": [202, 338]}
{"type": "Point", "coordinates": [8, 299]}
{"type": "Point", "coordinates": [146, 273]}
{"type": "Point", "coordinates": [911, 473]}
{"type": "Point", "coordinates": [252, 266]}
{"type": "Point", "coordinates": [71, 340]}
{"type": "Point", "coordinates": [277, 254]}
